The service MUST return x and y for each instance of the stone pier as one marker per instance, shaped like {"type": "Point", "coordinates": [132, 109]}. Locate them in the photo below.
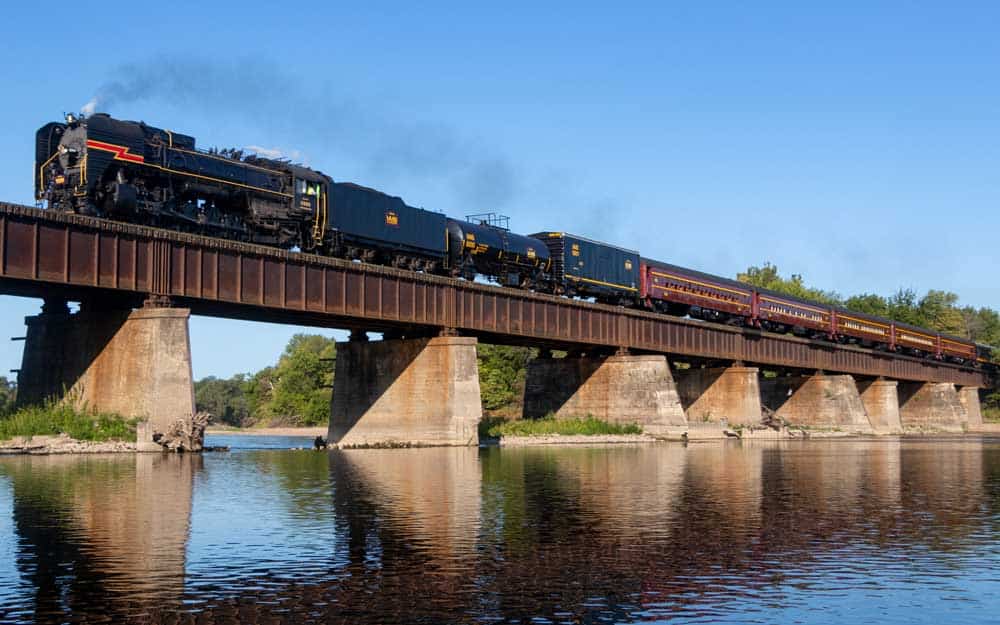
{"type": "Point", "coordinates": [406, 392]}
{"type": "Point", "coordinates": [727, 395]}
{"type": "Point", "coordinates": [136, 363]}
{"type": "Point", "coordinates": [930, 406]}
{"type": "Point", "coordinates": [619, 389]}
{"type": "Point", "coordinates": [881, 401]}
{"type": "Point", "coordinates": [968, 396]}
{"type": "Point", "coordinates": [829, 402]}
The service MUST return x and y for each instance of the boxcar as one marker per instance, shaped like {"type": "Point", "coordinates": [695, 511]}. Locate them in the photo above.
{"type": "Point", "coordinates": [592, 269]}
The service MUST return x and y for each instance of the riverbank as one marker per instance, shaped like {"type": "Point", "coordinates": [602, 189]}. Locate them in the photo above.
{"type": "Point", "coordinates": [62, 444]}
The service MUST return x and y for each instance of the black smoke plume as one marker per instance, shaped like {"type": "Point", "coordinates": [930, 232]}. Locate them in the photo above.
{"type": "Point", "coordinates": [265, 94]}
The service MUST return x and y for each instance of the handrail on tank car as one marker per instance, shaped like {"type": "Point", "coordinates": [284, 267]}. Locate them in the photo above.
{"type": "Point", "coordinates": [493, 220]}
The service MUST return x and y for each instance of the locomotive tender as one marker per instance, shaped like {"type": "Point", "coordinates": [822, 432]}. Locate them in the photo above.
{"type": "Point", "coordinates": [129, 171]}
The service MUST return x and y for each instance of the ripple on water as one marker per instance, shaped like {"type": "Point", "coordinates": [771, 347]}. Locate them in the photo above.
{"type": "Point", "coordinates": [810, 532]}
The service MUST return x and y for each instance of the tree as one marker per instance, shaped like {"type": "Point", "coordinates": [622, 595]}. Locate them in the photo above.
{"type": "Point", "coordinates": [300, 384]}
{"type": "Point", "coordinates": [903, 307]}
{"type": "Point", "coordinates": [8, 393]}
{"type": "Point", "coordinates": [868, 304]}
{"type": "Point", "coordinates": [501, 374]}
{"type": "Point", "coordinates": [225, 399]}
{"type": "Point", "coordinates": [982, 325]}
{"type": "Point", "coordinates": [939, 311]}
{"type": "Point", "coordinates": [768, 277]}
{"type": "Point", "coordinates": [295, 391]}
{"type": "Point", "coordinates": [259, 390]}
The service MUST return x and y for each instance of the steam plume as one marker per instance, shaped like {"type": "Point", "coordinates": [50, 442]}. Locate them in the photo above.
{"type": "Point", "coordinates": [323, 116]}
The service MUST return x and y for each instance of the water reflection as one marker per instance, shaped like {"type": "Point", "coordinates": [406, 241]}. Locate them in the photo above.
{"type": "Point", "coordinates": [812, 532]}
{"type": "Point", "coordinates": [100, 538]}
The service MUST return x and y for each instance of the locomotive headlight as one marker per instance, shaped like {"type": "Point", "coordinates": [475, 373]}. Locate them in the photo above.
{"type": "Point", "coordinates": [60, 180]}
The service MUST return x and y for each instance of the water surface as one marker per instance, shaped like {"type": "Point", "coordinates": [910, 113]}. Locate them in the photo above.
{"type": "Point", "coordinates": [809, 532]}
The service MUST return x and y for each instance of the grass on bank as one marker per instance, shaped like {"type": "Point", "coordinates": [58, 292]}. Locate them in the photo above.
{"type": "Point", "coordinates": [549, 425]}
{"type": "Point", "coordinates": [991, 415]}
{"type": "Point", "coordinates": [52, 419]}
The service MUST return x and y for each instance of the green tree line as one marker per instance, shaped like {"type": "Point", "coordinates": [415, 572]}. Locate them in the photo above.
{"type": "Point", "coordinates": [293, 391]}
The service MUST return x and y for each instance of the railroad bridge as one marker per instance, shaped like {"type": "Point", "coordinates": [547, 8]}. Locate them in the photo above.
{"type": "Point", "coordinates": [127, 349]}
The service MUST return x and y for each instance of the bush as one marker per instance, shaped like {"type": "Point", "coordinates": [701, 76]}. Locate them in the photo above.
{"type": "Point", "coordinates": [8, 394]}
{"type": "Point", "coordinates": [547, 426]}
{"type": "Point", "coordinates": [52, 419]}
{"type": "Point", "coordinates": [991, 406]}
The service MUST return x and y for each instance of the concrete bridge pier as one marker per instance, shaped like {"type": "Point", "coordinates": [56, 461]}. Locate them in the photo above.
{"type": "Point", "coordinates": [881, 400]}
{"type": "Point", "coordinates": [623, 388]}
{"type": "Point", "coordinates": [406, 392]}
{"type": "Point", "coordinates": [820, 401]}
{"type": "Point", "coordinates": [933, 406]}
{"type": "Point", "coordinates": [722, 395]}
{"type": "Point", "coordinates": [968, 396]}
{"type": "Point", "coordinates": [133, 362]}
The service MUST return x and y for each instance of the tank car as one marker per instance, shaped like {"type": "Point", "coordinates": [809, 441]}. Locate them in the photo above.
{"type": "Point", "coordinates": [484, 244]}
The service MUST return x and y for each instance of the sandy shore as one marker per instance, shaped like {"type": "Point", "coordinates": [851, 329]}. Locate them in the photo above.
{"type": "Point", "coordinates": [986, 428]}
{"type": "Point", "coordinates": [311, 432]}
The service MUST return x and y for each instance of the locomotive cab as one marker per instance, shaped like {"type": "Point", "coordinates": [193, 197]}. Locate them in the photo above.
{"type": "Point", "coordinates": [307, 195]}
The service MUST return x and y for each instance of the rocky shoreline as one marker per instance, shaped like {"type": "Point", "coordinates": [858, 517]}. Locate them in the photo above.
{"type": "Point", "coordinates": [64, 444]}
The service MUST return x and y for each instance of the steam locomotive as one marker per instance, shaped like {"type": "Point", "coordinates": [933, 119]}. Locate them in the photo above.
{"type": "Point", "coordinates": [130, 171]}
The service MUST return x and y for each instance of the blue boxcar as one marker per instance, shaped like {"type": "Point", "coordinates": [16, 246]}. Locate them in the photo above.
{"type": "Point", "coordinates": [591, 268]}
{"type": "Point", "coordinates": [368, 217]}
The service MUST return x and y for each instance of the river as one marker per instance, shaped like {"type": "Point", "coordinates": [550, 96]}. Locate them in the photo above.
{"type": "Point", "coordinates": [836, 531]}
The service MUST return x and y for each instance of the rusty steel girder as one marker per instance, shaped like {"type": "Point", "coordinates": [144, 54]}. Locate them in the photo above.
{"type": "Point", "coordinates": [82, 258]}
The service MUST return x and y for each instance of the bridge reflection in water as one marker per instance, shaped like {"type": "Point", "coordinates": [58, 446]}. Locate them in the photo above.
{"type": "Point", "coordinates": [776, 531]}
{"type": "Point", "coordinates": [99, 537]}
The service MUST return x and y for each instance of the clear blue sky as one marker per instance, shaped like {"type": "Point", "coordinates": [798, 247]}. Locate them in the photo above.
{"type": "Point", "coordinates": [856, 143]}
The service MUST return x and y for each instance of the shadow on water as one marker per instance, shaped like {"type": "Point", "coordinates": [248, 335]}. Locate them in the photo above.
{"type": "Point", "coordinates": [788, 531]}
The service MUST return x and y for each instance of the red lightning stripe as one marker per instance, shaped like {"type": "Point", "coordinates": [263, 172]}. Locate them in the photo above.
{"type": "Point", "coordinates": [120, 151]}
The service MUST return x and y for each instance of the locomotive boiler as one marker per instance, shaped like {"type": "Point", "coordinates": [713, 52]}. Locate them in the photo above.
{"type": "Point", "coordinates": [134, 172]}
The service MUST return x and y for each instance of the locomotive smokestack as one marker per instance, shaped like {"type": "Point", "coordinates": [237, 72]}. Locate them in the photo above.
{"type": "Point", "coordinates": [89, 108]}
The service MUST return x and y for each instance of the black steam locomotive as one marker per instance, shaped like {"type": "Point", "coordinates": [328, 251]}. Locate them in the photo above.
{"type": "Point", "coordinates": [132, 172]}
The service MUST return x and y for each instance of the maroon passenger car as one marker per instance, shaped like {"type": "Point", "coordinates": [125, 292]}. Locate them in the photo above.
{"type": "Point", "coordinates": [668, 288]}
